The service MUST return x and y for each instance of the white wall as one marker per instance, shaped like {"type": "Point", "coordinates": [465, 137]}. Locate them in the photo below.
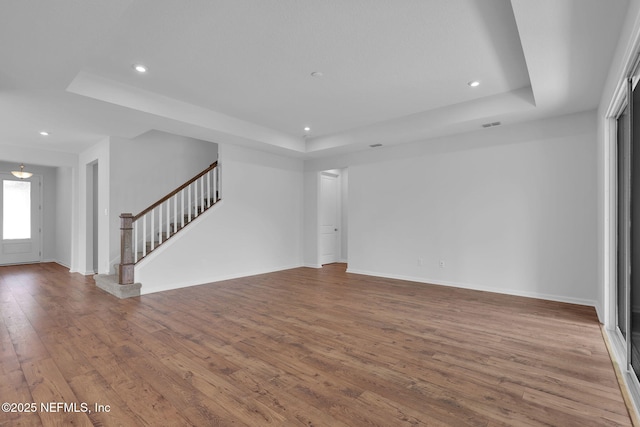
{"type": "Point", "coordinates": [49, 209]}
{"type": "Point", "coordinates": [256, 228]}
{"type": "Point", "coordinates": [310, 220]}
{"type": "Point", "coordinates": [344, 214]}
{"type": "Point", "coordinates": [36, 156]}
{"type": "Point", "coordinates": [64, 208]}
{"type": "Point", "coordinates": [145, 169]}
{"type": "Point", "coordinates": [508, 209]}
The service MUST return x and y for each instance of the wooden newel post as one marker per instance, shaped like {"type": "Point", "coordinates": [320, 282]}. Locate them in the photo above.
{"type": "Point", "coordinates": [125, 272]}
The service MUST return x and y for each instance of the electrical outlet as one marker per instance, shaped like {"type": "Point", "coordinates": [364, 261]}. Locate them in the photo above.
{"type": "Point", "coordinates": [441, 264]}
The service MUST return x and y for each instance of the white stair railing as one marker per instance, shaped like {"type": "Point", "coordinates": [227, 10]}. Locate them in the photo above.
{"type": "Point", "coordinates": [141, 234]}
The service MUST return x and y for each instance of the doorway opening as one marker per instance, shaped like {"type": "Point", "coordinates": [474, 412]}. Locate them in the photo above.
{"type": "Point", "coordinates": [92, 217]}
{"type": "Point", "coordinates": [333, 217]}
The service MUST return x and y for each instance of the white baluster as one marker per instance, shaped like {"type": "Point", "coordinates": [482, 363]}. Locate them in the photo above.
{"type": "Point", "coordinates": [189, 203]}
{"type": "Point", "coordinates": [209, 189]}
{"type": "Point", "coordinates": [168, 227]}
{"type": "Point", "coordinates": [159, 224]}
{"type": "Point", "coordinates": [199, 195]}
{"type": "Point", "coordinates": [195, 198]}
{"type": "Point", "coordinates": [215, 182]}
{"type": "Point", "coordinates": [219, 187]}
{"type": "Point", "coordinates": [175, 213]}
{"type": "Point", "coordinates": [153, 229]}
{"type": "Point", "coordinates": [144, 235]}
{"type": "Point", "coordinates": [135, 242]}
{"type": "Point", "coordinates": [202, 193]}
{"type": "Point", "coordinates": [182, 204]}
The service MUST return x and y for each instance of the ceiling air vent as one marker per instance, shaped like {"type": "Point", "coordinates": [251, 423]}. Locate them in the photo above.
{"type": "Point", "coordinates": [375, 145]}
{"type": "Point", "coordinates": [490, 125]}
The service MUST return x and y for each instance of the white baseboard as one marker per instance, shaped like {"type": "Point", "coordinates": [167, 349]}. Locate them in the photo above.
{"type": "Point", "coordinates": [43, 261]}
{"type": "Point", "coordinates": [476, 287]}
{"type": "Point", "coordinates": [150, 289]}
{"type": "Point", "coordinates": [63, 264]}
{"type": "Point", "coordinates": [57, 262]}
{"type": "Point", "coordinates": [313, 265]}
{"type": "Point", "coordinates": [617, 352]}
{"type": "Point", "coordinates": [599, 312]}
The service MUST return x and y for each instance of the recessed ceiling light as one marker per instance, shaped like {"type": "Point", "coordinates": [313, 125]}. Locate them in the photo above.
{"type": "Point", "coordinates": [317, 74]}
{"type": "Point", "coordinates": [474, 83]}
{"type": "Point", "coordinates": [140, 68]}
{"type": "Point", "coordinates": [44, 133]}
{"type": "Point", "coordinates": [307, 129]}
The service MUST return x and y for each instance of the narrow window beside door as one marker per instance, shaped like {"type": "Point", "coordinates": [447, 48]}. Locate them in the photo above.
{"type": "Point", "coordinates": [16, 211]}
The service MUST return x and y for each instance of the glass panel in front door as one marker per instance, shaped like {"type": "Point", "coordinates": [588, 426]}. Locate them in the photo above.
{"type": "Point", "coordinates": [16, 210]}
{"type": "Point", "coordinates": [20, 219]}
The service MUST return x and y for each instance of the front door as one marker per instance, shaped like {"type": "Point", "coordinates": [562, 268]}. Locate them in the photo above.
{"type": "Point", "coordinates": [20, 219]}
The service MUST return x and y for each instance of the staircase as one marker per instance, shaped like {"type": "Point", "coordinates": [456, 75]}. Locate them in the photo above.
{"type": "Point", "coordinates": [145, 232]}
{"type": "Point", "coordinates": [174, 226]}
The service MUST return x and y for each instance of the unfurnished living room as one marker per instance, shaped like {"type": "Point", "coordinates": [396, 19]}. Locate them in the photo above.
{"type": "Point", "coordinates": [319, 213]}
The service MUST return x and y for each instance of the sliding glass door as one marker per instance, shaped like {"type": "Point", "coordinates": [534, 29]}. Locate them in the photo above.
{"type": "Point", "coordinates": [628, 226]}
{"type": "Point", "coordinates": [633, 262]}
{"type": "Point", "coordinates": [623, 151]}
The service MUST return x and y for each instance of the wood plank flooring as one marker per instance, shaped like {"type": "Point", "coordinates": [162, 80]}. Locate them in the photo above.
{"type": "Point", "coordinates": [301, 347]}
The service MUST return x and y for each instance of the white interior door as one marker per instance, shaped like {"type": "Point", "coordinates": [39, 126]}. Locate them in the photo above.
{"type": "Point", "coordinates": [329, 204]}
{"type": "Point", "coordinates": [20, 219]}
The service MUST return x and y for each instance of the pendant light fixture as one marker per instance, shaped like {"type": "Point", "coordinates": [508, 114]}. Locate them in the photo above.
{"type": "Point", "coordinates": [21, 173]}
